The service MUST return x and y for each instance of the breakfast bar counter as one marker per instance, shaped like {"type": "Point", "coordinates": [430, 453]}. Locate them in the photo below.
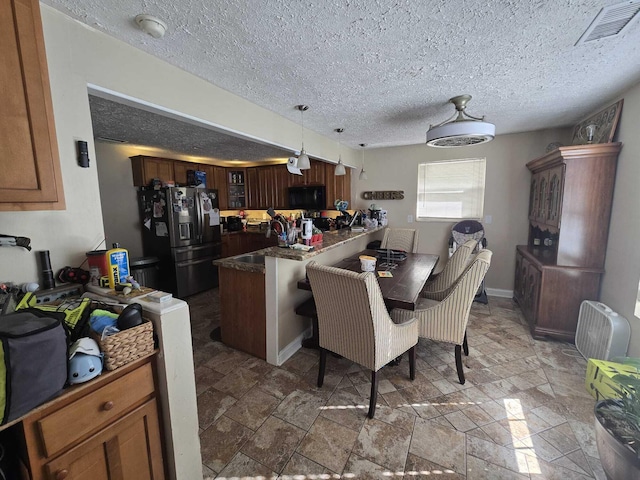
{"type": "Point", "coordinates": [259, 294]}
{"type": "Point", "coordinates": [330, 240]}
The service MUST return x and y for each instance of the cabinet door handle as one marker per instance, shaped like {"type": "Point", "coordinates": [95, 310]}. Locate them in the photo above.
{"type": "Point", "coordinates": [107, 406]}
{"type": "Point", "coordinates": [62, 474]}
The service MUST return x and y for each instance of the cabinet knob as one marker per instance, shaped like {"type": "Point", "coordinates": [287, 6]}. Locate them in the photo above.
{"type": "Point", "coordinates": [108, 405]}
{"type": "Point", "coordinates": [62, 474]}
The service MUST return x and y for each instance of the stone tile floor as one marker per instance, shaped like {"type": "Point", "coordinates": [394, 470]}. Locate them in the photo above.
{"type": "Point", "coordinates": [523, 413]}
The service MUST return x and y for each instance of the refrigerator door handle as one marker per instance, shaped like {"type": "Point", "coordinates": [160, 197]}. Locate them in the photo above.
{"type": "Point", "coordinates": [195, 247]}
{"type": "Point", "coordinates": [197, 262]}
{"type": "Point", "coordinates": [199, 219]}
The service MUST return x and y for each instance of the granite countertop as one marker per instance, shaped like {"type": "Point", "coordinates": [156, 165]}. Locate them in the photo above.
{"type": "Point", "coordinates": [330, 240]}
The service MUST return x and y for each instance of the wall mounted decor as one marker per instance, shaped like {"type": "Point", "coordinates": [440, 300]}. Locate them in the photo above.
{"type": "Point", "coordinates": [599, 128]}
{"type": "Point", "coordinates": [384, 195]}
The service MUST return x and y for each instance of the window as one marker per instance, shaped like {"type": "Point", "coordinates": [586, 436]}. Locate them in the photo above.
{"type": "Point", "coordinates": [451, 189]}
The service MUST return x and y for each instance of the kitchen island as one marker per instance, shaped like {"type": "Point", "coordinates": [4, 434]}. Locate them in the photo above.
{"type": "Point", "coordinates": [259, 294]}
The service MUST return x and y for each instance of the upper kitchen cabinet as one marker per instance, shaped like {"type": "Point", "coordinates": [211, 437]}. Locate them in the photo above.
{"type": "Point", "coordinates": [315, 175]}
{"type": "Point", "coordinates": [253, 188]}
{"type": "Point", "coordinates": [180, 171]}
{"type": "Point", "coordinates": [236, 188]}
{"type": "Point", "coordinates": [267, 187]}
{"type": "Point", "coordinates": [338, 187]}
{"type": "Point", "coordinates": [145, 169]}
{"type": "Point", "coordinates": [31, 177]}
{"type": "Point", "coordinates": [217, 178]}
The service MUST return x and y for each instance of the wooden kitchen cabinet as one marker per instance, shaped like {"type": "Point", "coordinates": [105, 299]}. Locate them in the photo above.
{"type": "Point", "coordinates": [180, 171]}
{"type": "Point", "coordinates": [338, 187]}
{"type": "Point", "coordinates": [220, 183]}
{"type": "Point", "coordinates": [267, 187]}
{"type": "Point", "coordinates": [237, 243]}
{"type": "Point", "coordinates": [236, 188]}
{"type": "Point", "coordinates": [252, 188]}
{"type": "Point", "coordinates": [569, 209]}
{"type": "Point", "coordinates": [145, 169]}
{"type": "Point", "coordinates": [29, 160]}
{"type": "Point", "coordinates": [107, 428]}
{"type": "Point", "coordinates": [243, 322]}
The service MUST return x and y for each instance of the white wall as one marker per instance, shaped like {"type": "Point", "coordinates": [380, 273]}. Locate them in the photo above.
{"type": "Point", "coordinates": [506, 193]}
{"type": "Point", "coordinates": [78, 56]}
{"type": "Point", "coordinates": [620, 283]}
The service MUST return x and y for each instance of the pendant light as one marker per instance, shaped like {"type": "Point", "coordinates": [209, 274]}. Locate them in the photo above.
{"type": "Point", "coordinates": [303, 159]}
{"type": "Point", "coordinates": [340, 170]}
{"type": "Point", "coordinates": [363, 174]}
{"type": "Point", "coordinates": [459, 131]}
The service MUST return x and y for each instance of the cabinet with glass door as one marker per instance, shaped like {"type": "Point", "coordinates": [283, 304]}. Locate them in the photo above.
{"type": "Point", "coordinates": [236, 189]}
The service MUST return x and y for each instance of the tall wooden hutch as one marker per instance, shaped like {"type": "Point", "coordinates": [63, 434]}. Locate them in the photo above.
{"type": "Point", "coordinates": [563, 261]}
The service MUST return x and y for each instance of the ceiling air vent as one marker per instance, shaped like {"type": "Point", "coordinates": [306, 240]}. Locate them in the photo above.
{"type": "Point", "coordinates": [611, 20]}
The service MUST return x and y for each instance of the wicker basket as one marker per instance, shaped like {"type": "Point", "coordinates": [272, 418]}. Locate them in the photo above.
{"type": "Point", "coordinates": [127, 345]}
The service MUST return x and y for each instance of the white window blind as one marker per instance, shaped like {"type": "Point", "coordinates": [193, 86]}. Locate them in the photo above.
{"type": "Point", "coordinates": [451, 189]}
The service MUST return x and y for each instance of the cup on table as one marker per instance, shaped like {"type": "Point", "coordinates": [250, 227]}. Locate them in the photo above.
{"type": "Point", "coordinates": [367, 263]}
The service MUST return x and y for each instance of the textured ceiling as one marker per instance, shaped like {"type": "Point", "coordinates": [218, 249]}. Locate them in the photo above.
{"type": "Point", "coordinates": [384, 70]}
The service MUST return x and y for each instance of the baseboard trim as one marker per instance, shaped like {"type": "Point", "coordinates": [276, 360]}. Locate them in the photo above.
{"type": "Point", "coordinates": [287, 352]}
{"type": "Point", "coordinates": [499, 292]}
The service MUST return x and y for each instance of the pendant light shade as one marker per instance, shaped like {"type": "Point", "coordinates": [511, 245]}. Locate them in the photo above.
{"type": "Point", "coordinates": [363, 174]}
{"type": "Point", "coordinates": [461, 129]}
{"type": "Point", "coordinates": [303, 159]}
{"type": "Point", "coordinates": [340, 170]}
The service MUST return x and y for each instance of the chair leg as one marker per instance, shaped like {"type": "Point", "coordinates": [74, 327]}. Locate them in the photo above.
{"type": "Point", "coordinates": [374, 395]}
{"type": "Point", "coordinates": [465, 345]}
{"type": "Point", "coordinates": [323, 363]}
{"type": "Point", "coordinates": [412, 363]}
{"type": "Point", "coordinates": [459, 364]}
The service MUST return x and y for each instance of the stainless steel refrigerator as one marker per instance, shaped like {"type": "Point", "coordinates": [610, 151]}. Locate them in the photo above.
{"type": "Point", "coordinates": [181, 226]}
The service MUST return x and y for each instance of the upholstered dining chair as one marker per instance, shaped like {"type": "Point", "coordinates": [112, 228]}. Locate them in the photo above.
{"type": "Point", "coordinates": [446, 321]}
{"type": "Point", "coordinates": [400, 239]}
{"type": "Point", "coordinates": [353, 322]}
{"type": "Point", "coordinates": [438, 288]}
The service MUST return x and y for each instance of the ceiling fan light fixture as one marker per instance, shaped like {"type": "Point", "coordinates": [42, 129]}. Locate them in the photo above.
{"type": "Point", "coordinates": [151, 25]}
{"type": "Point", "coordinates": [462, 129]}
{"type": "Point", "coordinates": [303, 158]}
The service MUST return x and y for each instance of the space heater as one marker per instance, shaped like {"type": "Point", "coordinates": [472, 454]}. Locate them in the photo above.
{"type": "Point", "coordinates": [601, 332]}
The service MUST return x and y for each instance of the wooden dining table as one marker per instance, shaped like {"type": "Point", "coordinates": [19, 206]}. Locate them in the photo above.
{"type": "Point", "coordinates": [402, 289]}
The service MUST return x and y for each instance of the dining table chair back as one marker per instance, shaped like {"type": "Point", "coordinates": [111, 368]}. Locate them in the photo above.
{"type": "Point", "coordinates": [353, 322]}
{"type": "Point", "coordinates": [400, 239]}
{"type": "Point", "coordinates": [446, 320]}
{"type": "Point", "coordinates": [438, 288]}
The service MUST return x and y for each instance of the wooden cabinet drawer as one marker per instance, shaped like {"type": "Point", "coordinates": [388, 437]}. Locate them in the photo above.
{"type": "Point", "coordinates": [87, 414]}
{"type": "Point", "coordinates": [127, 449]}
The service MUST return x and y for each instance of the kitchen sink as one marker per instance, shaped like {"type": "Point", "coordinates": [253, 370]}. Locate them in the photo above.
{"type": "Point", "coordinates": [258, 259]}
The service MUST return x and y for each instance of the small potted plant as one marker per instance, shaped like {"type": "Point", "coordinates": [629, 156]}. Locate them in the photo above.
{"type": "Point", "coordinates": [617, 427]}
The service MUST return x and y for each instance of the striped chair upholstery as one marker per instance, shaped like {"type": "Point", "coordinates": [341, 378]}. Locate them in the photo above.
{"type": "Point", "coordinates": [438, 288]}
{"type": "Point", "coordinates": [446, 321]}
{"type": "Point", "coordinates": [400, 239]}
{"type": "Point", "coordinates": [353, 322]}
